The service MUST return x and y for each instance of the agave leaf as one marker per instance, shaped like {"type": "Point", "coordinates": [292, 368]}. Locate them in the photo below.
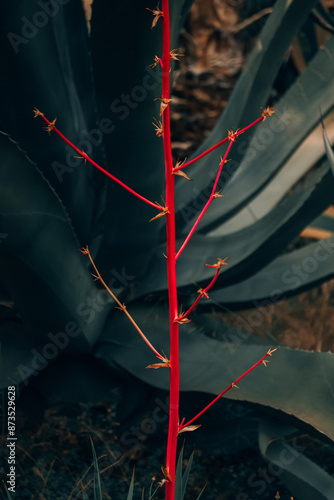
{"type": "Point", "coordinates": [328, 148]}
{"type": "Point", "coordinates": [15, 354]}
{"type": "Point", "coordinates": [323, 222]}
{"type": "Point", "coordinates": [210, 366]}
{"type": "Point", "coordinates": [305, 479]}
{"type": "Point", "coordinates": [273, 142]}
{"type": "Point", "coordinates": [97, 478]}
{"type": "Point", "coordinates": [48, 50]}
{"type": "Point", "coordinates": [324, 19]}
{"type": "Point", "coordinates": [253, 247]}
{"type": "Point", "coordinates": [251, 91]}
{"type": "Point", "coordinates": [288, 275]}
{"type": "Point", "coordinates": [128, 99]}
{"type": "Point", "coordinates": [296, 167]}
{"type": "Point", "coordinates": [41, 263]}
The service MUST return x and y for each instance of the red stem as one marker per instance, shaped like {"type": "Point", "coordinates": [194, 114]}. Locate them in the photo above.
{"type": "Point", "coordinates": [208, 203]}
{"type": "Point", "coordinates": [183, 425]}
{"type": "Point", "coordinates": [238, 132]}
{"type": "Point", "coordinates": [203, 293]}
{"type": "Point", "coordinates": [86, 157]}
{"type": "Point", "coordinates": [171, 267]}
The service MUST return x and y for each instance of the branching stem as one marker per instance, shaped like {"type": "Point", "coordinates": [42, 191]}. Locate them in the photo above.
{"type": "Point", "coordinates": [238, 132]}
{"type": "Point", "coordinates": [51, 127]}
{"type": "Point", "coordinates": [120, 305]}
{"type": "Point", "coordinates": [203, 292]}
{"type": "Point", "coordinates": [212, 196]}
{"type": "Point", "coordinates": [262, 360]}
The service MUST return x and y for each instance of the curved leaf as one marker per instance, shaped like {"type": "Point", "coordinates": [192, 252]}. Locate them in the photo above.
{"type": "Point", "coordinates": [41, 266]}
{"type": "Point", "coordinates": [250, 93]}
{"type": "Point", "coordinates": [292, 172]}
{"type": "Point", "coordinates": [275, 141]}
{"type": "Point", "coordinates": [288, 275]}
{"type": "Point", "coordinates": [253, 247]}
{"type": "Point", "coordinates": [47, 65]}
{"type": "Point", "coordinates": [209, 366]}
{"type": "Point", "coordinates": [305, 479]}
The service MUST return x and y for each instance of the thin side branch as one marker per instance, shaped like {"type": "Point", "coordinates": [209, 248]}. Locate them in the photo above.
{"type": "Point", "coordinates": [122, 306]}
{"type": "Point", "coordinates": [234, 384]}
{"type": "Point", "coordinates": [238, 132]}
{"type": "Point", "coordinates": [203, 292]}
{"type": "Point", "coordinates": [213, 195]}
{"type": "Point", "coordinates": [52, 127]}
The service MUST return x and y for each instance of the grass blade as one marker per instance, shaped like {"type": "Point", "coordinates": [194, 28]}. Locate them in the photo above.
{"type": "Point", "coordinates": [97, 479]}
{"type": "Point", "coordinates": [199, 496]}
{"type": "Point", "coordinates": [130, 493]}
{"type": "Point", "coordinates": [178, 477]}
{"type": "Point", "coordinates": [84, 494]}
{"type": "Point", "coordinates": [186, 475]}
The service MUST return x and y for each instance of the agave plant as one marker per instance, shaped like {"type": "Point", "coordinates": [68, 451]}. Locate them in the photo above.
{"type": "Point", "coordinates": [103, 91]}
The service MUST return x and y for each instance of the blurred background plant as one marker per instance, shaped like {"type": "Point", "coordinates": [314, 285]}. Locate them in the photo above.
{"type": "Point", "coordinates": [61, 339]}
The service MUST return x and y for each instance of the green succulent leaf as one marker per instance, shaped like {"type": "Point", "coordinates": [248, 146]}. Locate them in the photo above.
{"type": "Point", "coordinates": [328, 148]}
{"type": "Point", "coordinates": [273, 143]}
{"type": "Point", "coordinates": [250, 93]}
{"type": "Point", "coordinates": [42, 267]}
{"type": "Point", "coordinates": [252, 247]}
{"type": "Point", "coordinates": [47, 65]}
{"type": "Point", "coordinates": [287, 275]}
{"type": "Point", "coordinates": [209, 366]}
{"type": "Point", "coordinates": [303, 477]}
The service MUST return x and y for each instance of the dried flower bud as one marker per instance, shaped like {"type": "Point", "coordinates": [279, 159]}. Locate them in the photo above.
{"type": "Point", "coordinates": [157, 14]}
{"type": "Point", "coordinates": [267, 112]}
{"type": "Point", "coordinates": [50, 126]}
{"type": "Point", "coordinates": [37, 112]}
{"type": "Point", "coordinates": [189, 428]}
{"type": "Point", "coordinates": [158, 127]}
{"type": "Point", "coordinates": [175, 54]}
{"type": "Point", "coordinates": [157, 60]}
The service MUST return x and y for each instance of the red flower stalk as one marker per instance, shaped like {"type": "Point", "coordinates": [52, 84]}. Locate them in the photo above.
{"type": "Point", "coordinates": [168, 210]}
{"type": "Point", "coordinates": [171, 267]}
